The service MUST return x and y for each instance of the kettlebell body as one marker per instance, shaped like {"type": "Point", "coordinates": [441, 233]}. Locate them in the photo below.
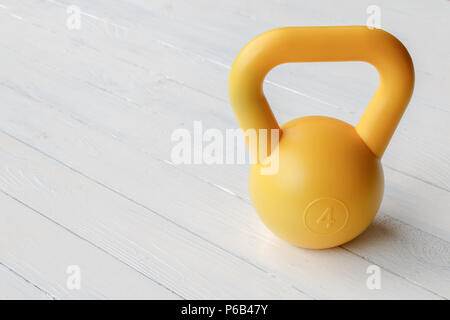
{"type": "Point", "coordinates": [326, 173]}
{"type": "Point", "coordinates": [329, 182]}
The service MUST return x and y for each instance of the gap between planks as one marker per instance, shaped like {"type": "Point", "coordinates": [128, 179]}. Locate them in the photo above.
{"type": "Point", "coordinates": [78, 173]}
{"type": "Point", "coordinates": [217, 63]}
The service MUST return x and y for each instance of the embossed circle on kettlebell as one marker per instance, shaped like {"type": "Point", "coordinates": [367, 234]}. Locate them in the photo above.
{"type": "Point", "coordinates": [325, 216]}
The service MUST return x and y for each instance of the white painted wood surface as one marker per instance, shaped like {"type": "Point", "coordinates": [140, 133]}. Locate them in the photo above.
{"type": "Point", "coordinates": [85, 172]}
{"type": "Point", "coordinates": [15, 287]}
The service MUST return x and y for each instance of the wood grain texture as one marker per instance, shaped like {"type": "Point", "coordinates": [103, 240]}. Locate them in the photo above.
{"type": "Point", "coordinates": [86, 123]}
{"type": "Point", "coordinates": [209, 34]}
{"type": "Point", "coordinates": [427, 256]}
{"type": "Point", "coordinates": [40, 251]}
{"type": "Point", "coordinates": [102, 220]}
{"type": "Point", "coordinates": [146, 241]}
{"type": "Point", "coordinates": [13, 286]}
{"type": "Point", "coordinates": [153, 181]}
{"type": "Point", "coordinates": [140, 82]}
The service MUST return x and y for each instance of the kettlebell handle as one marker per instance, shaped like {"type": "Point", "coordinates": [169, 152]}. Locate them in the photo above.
{"type": "Point", "coordinates": [320, 44]}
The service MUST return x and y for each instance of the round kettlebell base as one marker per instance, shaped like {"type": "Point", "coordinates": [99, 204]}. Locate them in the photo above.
{"type": "Point", "coordinates": [327, 188]}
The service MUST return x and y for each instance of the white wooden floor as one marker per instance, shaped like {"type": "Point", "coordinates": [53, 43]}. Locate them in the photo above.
{"type": "Point", "coordinates": [85, 172]}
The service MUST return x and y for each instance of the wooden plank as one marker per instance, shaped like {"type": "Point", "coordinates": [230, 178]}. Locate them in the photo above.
{"type": "Point", "coordinates": [122, 132]}
{"type": "Point", "coordinates": [167, 77]}
{"type": "Point", "coordinates": [428, 256]}
{"type": "Point", "coordinates": [159, 249]}
{"type": "Point", "coordinates": [42, 253]}
{"type": "Point", "coordinates": [14, 287]}
{"type": "Point", "coordinates": [223, 219]}
{"type": "Point", "coordinates": [343, 89]}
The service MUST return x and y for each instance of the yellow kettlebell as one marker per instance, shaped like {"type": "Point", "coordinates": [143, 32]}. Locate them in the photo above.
{"type": "Point", "coordinates": [329, 181]}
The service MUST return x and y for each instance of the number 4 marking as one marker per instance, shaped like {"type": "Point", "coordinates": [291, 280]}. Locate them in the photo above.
{"type": "Point", "coordinates": [326, 217]}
